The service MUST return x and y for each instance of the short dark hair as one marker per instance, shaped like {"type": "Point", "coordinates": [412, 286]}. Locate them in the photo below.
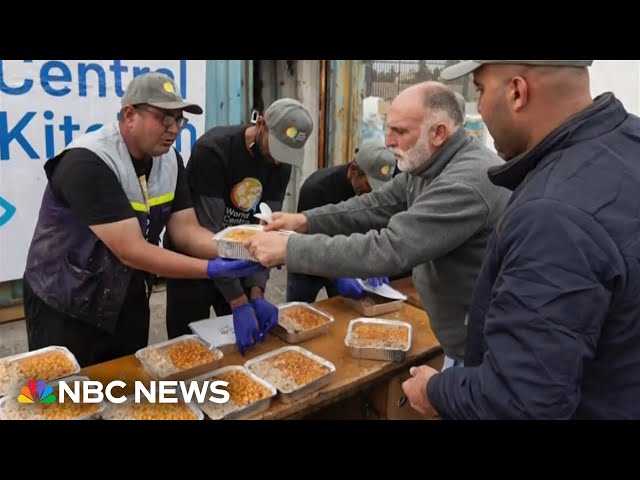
{"type": "Point", "coordinates": [445, 100]}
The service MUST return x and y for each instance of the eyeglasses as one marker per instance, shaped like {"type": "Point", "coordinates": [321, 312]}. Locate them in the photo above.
{"type": "Point", "coordinates": [167, 119]}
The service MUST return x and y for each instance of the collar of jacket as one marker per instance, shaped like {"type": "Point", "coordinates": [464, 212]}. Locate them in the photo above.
{"type": "Point", "coordinates": [443, 156]}
{"type": "Point", "coordinates": [603, 115]}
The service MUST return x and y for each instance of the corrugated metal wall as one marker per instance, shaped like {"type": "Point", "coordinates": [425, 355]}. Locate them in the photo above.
{"type": "Point", "coordinates": [344, 111]}
{"type": "Point", "coordinates": [229, 91]}
{"type": "Point", "coordinates": [299, 79]}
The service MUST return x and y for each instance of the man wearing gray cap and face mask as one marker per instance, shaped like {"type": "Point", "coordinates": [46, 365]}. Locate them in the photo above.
{"type": "Point", "coordinates": [94, 254]}
{"type": "Point", "coordinates": [554, 328]}
{"type": "Point", "coordinates": [371, 168]}
{"type": "Point", "coordinates": [232, 170]}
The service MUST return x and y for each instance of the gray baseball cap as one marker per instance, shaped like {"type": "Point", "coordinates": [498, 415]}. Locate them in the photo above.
{"type": "Point", "coordinates": [158, 90]}
{"type": "Point", "coordinates": [467, 66]}
{"type": "Point", "coordinates": [463, 104]}
{"type": "Point", "coordinates": [377, 161]}
{"type": "Point", "coordinates": [290, 126]}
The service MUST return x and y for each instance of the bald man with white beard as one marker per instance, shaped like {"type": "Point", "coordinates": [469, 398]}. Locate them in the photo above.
{"type": "Point", "coordinates": [435, 218]}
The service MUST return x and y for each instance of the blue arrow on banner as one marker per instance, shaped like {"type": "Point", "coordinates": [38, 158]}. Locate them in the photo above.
{"type": "Point", "coordinates": [9, 211]}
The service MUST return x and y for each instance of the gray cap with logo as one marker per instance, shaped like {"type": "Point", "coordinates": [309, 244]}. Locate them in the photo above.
{"type": "Point", "coordinates": [377, 161]}
{"type": "Point", "coordinates": [158, 90]}
{"type": "Point", "coordinates": [463, 103]}
{"type": "Point", "coordinates": [467, 66]}
{"type": "Point", "coordinates": [290, 126]}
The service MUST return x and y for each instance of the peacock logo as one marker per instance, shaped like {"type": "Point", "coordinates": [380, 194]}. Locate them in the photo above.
{"type": "Point", "coordinates": [38, 392]}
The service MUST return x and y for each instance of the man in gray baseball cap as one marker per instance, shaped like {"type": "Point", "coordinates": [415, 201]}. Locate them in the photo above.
{"type": "Point", "coordinates": [232, 170]}
{"type": "Point", "coordinates": [468, 66]}
{"type": "Point", "coordinates": [158, 90]}
{"type": "Point", "coordinates": [111, 193]}
{"type": "Point", "coordinates": [377, 162]}
{"type": "Point", "coordinates": [290, 126]}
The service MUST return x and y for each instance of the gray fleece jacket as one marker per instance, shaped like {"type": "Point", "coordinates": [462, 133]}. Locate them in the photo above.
{"type": "Point", "coordinates": [436, 221]}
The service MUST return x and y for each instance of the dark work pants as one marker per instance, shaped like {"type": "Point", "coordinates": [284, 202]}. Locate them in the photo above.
{"type": "Point", "coordinates": [89, 344]}
{"type": "Point", "coordinates": [305, 288]}
{"type": "Point", "coordinates": [191, 300]}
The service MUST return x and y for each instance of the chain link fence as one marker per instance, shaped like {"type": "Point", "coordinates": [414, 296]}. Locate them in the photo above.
{"type": "Point", "coordinates": [386, 78]}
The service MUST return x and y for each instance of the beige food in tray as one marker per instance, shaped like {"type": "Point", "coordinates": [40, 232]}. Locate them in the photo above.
{"type": "Point", "coordinates": [48, 411]}
{"type": "Point", "coordinates": [240, 234]}
{"type": "Point", "coordinates": [299, 319]}
{"type": "Point", "coordinates": [177, 357]}
{"type": "Point", "coordinates": [189, 354]}
{"type": "Point", "coordinates": [45, 366]}
{"type": "Point", "coordinates": [243, 390]}
{"type": "Point", "coordinates": [149, 411]}
{"type": "Point", "coordinates": [373, 335]}
{"type": "Point", "coordinates": [289, 370]}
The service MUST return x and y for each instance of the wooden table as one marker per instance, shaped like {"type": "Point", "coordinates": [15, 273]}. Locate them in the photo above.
{"type": "Point", "coordinates": [351, 376]}
{"type": "Point", "coordinates": [405, 285]}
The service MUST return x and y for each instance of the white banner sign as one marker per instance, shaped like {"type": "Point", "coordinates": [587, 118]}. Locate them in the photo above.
{"type": "Point", "coordinates": [44, 104]}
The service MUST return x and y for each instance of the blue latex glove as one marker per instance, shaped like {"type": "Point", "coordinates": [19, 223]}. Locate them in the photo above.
{"type": "Point", "coordinates": [349, 287]}
{"type": "Point", "coordinates": [267, 315]}
{"type": "Point", "coordinates": [245, 326]}
{"type": "Point", "coordinates": [224, 267]}
{"type": "Point", "coordinates": [377, 281]}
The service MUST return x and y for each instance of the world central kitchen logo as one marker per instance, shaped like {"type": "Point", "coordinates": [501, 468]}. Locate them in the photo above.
{"type": "Point", "coordinates": [92, 391]}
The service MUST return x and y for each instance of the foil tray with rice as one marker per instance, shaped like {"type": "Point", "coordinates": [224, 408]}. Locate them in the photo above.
{"type": "Point", "coordinates": [294, 371]}
{"type": "Point", "coordinates": [378, 339]}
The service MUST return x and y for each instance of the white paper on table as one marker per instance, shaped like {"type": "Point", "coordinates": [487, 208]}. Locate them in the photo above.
{"type": "Point", "coordinates": [217, 331]}
{"type": "Point", "coordinates": [383, 290]}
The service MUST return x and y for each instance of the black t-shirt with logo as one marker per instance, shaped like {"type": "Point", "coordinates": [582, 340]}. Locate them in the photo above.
{"type": "Point", "coordinates": [222, 168]}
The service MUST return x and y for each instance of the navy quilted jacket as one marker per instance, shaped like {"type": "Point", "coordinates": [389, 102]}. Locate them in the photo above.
{"type": "Point", "coordinates": [554, 327]}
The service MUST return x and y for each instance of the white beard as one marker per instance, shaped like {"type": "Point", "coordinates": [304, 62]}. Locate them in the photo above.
{"type": "Point", "coordinates": [416, 156]}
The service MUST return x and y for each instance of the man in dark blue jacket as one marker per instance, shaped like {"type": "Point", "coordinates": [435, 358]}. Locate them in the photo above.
{"type": "Point", "coordinates": [554, 327]}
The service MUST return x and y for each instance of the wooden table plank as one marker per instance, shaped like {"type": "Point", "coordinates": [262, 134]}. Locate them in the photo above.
{"type": "Point", "coordinates": [9, 314]}
{"type": "Point", "coordinates": [405, 285]}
